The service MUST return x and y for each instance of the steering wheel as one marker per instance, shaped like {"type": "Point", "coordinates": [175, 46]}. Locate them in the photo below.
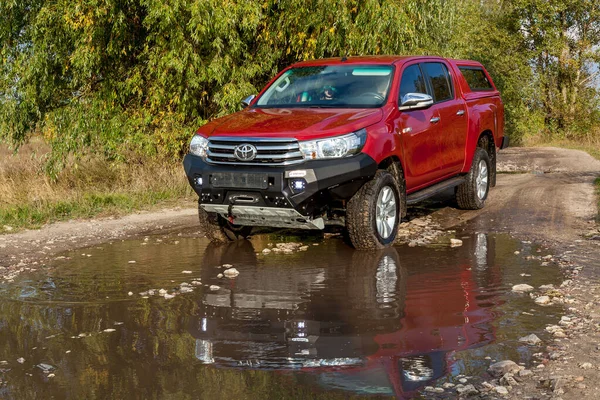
{"type": "Point", "coordinates": [376, 96]}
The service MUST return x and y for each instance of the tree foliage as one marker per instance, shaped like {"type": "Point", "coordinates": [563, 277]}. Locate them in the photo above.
{"type": "Point", "coordinates": [129, 79]}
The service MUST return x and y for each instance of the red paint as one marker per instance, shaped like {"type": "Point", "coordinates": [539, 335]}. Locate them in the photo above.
{"type": "Point", "coordinates": [429, 153]}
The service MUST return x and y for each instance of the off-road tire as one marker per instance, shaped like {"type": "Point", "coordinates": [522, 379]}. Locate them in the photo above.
{"type": "Point", "coordinates": [361, 212]}
{"type": "Point", "coordinates": [218, 230]}
{"type": "Point", "coordinates": [466, 193]}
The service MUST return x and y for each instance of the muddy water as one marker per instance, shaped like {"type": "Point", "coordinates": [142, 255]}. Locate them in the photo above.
{"type": "Point", "coordinates": [327, 322]}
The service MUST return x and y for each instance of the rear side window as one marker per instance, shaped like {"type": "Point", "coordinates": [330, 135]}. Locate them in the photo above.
{"type": "Point", "coordinates": [412, 81]}
{"type": "Point", "coordinates": [440, 81]}
{"type": "Point", "coordinates": [476, 79]}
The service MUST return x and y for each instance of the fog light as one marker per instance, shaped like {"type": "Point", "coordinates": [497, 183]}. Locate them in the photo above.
{"type": "Point", "coordinates": [297, 185]}
{"type": "Point", "coordinates": [198, 181]}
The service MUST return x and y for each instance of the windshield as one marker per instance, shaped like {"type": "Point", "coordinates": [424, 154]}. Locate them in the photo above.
{"type": "Point", "coordinates": [347, 86]}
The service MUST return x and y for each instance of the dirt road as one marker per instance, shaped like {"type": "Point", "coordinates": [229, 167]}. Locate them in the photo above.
{"type": "Point", "coordinates": [543, 195]}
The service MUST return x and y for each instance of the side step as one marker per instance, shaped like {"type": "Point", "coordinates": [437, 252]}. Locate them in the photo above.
{"type": "Point", "coordinates": [426, 193]}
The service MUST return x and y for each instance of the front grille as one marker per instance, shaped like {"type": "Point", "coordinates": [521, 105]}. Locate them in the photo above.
{"type": "Point", "coordinates": [269, 151]}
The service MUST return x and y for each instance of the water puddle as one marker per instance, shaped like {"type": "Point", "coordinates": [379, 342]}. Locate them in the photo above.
{"type": "Point", "coordinates": [324, 321]}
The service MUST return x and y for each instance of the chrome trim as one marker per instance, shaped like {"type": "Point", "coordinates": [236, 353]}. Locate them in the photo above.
{"type": "Point", "coordinates": [246, 102]}
{"type": "Point", "coordinates": [244, 139]}
{"type": "Point", "coordinates": [415, 101]}
{"type": "Point", "coordinates": [284, 163]}
{"type": "Point", "coordinates": [280, 156]}
{"type": "Point", "coordinates": [275, 217]}
{"type": "Point", "coordinates": [223, 148]}
{"type": "Point", "coordinates": [232, 147]}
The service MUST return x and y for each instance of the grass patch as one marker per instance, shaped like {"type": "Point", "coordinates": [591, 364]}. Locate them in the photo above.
{"type": "Point", "coordinates": [590, 146]}
{"type": "Point", "coordinates": [86, 189]}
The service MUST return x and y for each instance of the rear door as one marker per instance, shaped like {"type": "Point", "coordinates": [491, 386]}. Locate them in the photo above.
{"type": "Point", "coordinates": [419, 130]}
{"type": "Point", "coordinates": [452, 112]}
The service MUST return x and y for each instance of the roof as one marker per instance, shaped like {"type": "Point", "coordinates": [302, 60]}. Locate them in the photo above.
{"type": "Point", "coordinates": [383, 60]}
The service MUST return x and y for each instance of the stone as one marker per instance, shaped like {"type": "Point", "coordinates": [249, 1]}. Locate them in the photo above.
{"type": "Point", "coordinates": [162, 292]}
{"type": "Point", "coordinates": [219, 276]}
{"type": "Point", "coordinates": [168, 296]}
{"type": "Point", "coordinates": [109, 330]}
{"type": "Point", "coordinates": [525, 372]}
{"type": "Point", "coordinates": [467, 390]}
{"type": "Point", "coordinates": [586, 365]}
{"type": "Point", "coordinates": [521, 288]}
{"type": "Point", "coordinates": [455, 242]}
{"type": "Point", "coordinates": [131, 262]}
{"type": "Point", "coordinates": [46, 368]}
{"type": "Point", "coordinates": [542, 300]}
{"type": "Point", "coordinates": [503, 367]}
{"type": "Point", "coordinates": [508, 380]}
{"type": "Point", "coordinates": [186, 272]}
{"type": "Point", "coordinates": [266, 251]}
{"type": "Point", "coordinates": [556, 382]}
{"type": "Point", "coordinates": [214, 287]}
{"type": "Point", "coordinates": [231, 272]}
{"type": "Point", "coordinates": [501, 390]}
{"type": "Point", "coordinates": [130, 294]}
{"type": "Point", "coordinates": [530, 339]}
{"type": "Point", "coordinates": [20, 360]}
{"type": "Point", "coordinates": [463, 380]}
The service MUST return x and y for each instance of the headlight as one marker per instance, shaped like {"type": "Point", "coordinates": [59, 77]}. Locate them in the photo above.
{"type": "Point", "coordinates": [335, 147]}
{"type": "Point", "coordinates": [199, 146]}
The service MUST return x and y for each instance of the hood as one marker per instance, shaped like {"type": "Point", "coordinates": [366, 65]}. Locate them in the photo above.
{"type": "Point", "coordinates": [301, 124]}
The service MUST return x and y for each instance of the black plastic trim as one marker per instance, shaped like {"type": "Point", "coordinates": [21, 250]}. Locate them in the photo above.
{"type": "Point", "coordinates": [337, 179]}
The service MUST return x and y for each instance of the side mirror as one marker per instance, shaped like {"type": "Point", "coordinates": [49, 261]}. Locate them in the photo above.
{"type": "Point", "coordinates": [415, 101]}
{"type": "Point", "coordinates": [246, 102]}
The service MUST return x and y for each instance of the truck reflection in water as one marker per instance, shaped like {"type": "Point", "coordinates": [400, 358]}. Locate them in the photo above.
{"type": "Point", "coordinates": [376, 329]}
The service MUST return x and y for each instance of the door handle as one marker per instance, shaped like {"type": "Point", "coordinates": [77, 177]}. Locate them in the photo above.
{"type": "Point", "coordinates": [434, 120]}
{"type": "Point", "coordinates": [460, 112]}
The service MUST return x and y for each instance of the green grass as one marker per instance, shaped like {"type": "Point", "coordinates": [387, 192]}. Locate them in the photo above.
{"type": "Point", "coordinates": [88, 205]}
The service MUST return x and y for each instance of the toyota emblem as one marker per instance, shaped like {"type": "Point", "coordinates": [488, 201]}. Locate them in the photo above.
{"type": "Point", "coordinates": [245, 152]}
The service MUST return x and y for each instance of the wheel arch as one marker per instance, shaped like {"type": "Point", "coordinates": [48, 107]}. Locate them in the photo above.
{"type": "Point", "coordinates": [486, 142]}
{"type": "Point", "coordinates": [393, 165]}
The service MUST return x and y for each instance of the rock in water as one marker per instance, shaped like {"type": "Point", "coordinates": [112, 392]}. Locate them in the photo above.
{"type": "Point", "coordinates": [455, 242]}
{"type": "Point", "coordinates": [523, 287]}
{"type": "Point", "coordinates": [530, 339]}
{"type": "Point", "coordinates": [503, 367]}
{"type": "Point", "coordinates": [231, 273]}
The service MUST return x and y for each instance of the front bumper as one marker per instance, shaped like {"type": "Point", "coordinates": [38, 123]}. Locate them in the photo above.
{"type": "Point", "coordinates": [273, 202]}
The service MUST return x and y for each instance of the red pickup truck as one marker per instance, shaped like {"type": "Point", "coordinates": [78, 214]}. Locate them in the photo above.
{"type": "Point", "coordinates": [351, 142]}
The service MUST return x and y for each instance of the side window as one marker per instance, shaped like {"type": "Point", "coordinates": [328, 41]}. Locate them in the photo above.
{"type": "Point", "coordinates": [476, 79]}
{"type": "Point", "coordinates": [412, 81]}
{"type": "Point", "coordinates": [440, 81]}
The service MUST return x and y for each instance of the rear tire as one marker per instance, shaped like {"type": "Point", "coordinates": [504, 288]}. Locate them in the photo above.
{"type": "Point", "coordinates": [218, 230]}
{"type": "Point", "coordinates": [373, 213]}
{"type": "Point", "coordinates": [471, 194]}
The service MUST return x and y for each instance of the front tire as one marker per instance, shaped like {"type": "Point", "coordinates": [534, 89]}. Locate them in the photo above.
{"type": "Point", "coordinates": [218, 230]}
{"type": "Point", "coordinates": [471, 194]}
{"type": "Point", "coordinates": [373, 213]}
